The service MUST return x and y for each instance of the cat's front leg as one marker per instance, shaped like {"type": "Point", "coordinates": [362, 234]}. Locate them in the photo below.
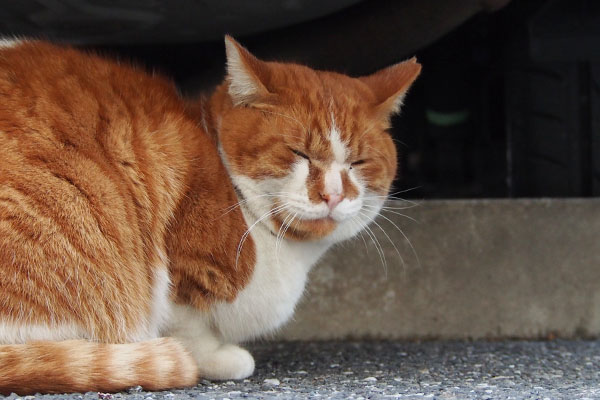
{"type": "Point", "coordinates": [216, 359]}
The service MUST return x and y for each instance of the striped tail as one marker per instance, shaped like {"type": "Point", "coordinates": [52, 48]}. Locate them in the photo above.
{"type": "Point", "coordinates": [81, 366]}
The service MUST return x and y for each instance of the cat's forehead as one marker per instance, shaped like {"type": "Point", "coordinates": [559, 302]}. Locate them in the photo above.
{"type": "Point", "coordinates": [328, 121]}
{"type": "Point", "coordinates": [325, 101]}
{"type": "Point", "coordinates": [321, 89]}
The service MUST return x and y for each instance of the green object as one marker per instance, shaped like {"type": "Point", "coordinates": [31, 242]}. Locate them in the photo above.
{"type": "Point", "coordinates": [447, 118]}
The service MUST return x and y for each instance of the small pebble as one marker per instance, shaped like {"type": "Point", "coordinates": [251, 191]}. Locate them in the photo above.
{"type": "Point", "coordinates": [135, 389]}
{"type": "Point", "coordinates": [274, 382]}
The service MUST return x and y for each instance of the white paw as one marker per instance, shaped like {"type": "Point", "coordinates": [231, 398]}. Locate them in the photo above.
{"type": "Point", "coordinates": [226, 362]}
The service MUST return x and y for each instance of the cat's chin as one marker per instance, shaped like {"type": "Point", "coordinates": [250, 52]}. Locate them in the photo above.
{"type": "Point", "coordinates": [306, 229]}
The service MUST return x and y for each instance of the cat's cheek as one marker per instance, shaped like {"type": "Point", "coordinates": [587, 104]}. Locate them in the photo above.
{"type": "Point", "coordinates": [296, 179]}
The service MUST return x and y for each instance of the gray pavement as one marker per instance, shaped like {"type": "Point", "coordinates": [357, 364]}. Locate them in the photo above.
{"type": "Point", "coordinates": [429, 370]}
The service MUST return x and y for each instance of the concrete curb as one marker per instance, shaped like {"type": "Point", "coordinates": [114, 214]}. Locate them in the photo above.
{"type": "Point", "coordinates": [488, 269]}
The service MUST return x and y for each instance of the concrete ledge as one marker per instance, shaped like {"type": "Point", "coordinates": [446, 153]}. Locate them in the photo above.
{"type": "Point", "coordinates": [488, 269]}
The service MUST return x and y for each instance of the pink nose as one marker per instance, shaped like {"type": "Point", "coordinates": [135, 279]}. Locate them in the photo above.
{"type": "Point", "coordinates": [332, 199]}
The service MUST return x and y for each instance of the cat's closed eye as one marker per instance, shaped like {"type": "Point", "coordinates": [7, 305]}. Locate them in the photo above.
{"type": "Point", "coordinates": [300, 154]}
{"type": "Point", "coordinates": [356, 163]}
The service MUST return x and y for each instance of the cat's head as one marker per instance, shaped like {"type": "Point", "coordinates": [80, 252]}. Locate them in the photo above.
{"type": "Point", "coordinates": [309, 150]}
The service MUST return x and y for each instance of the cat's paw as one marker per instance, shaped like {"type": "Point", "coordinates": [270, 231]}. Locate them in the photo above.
{"type": "Point", "coordinates": [226, 362]}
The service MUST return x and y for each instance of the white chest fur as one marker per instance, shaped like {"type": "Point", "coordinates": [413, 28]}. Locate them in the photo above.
{"type": "Point", "coordinates": [276, 285]}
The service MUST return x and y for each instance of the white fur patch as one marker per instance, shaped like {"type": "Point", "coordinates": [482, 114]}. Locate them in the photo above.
{"type": "Point", "coordinates": [333, 178]}
{"type": "Point", "coordinates": [160, 306]}
{"type": "Point", "coordinates": [277, 284]}
{"type": "Point", "coordinates": [227, 362]}
{"type": "Point", "coordinates": [339, 148]}
{"type": "Point", "coordinates": [215, 360]}
{"type": "Point", "coordinates": [160, 301]}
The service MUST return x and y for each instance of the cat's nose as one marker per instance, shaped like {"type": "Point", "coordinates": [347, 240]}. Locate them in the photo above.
{"type": "Point", "coordinates": [332, 199]}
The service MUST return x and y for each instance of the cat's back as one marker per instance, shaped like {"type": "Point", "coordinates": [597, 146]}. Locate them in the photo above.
{"type": "Point", "coordinates": [94, 158]}
{"type": "Point", "coordinates": [107, 128]}
{"type": "Point", "coordinates": [55, 92]}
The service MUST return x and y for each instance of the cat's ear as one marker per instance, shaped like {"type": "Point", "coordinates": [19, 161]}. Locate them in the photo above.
{"type": "Point", "coordinates": [391, 84]}
{"type": "Point", "coordinates": [245, 74]}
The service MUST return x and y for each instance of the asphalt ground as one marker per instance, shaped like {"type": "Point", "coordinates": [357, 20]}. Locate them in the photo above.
{"type": "Point", "coordinates": [555, 369]}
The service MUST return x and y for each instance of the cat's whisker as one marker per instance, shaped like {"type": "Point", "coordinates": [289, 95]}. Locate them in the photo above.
{"type": "Point", "coordinates": [377, 247]}
{"type": "Point", "coordinates": [400, 214]}
{"type": "Point", "coordinates": [363, 227]}
{"type": "Point", "coordinates": [405, 238]}
{"type": "Point", "coordinates": [410, 203]}
{"type": "Point", "coordinates": [356, 220]}
{"type": "Point", "coordinates": [400, 142]}
{"type": "Point", "coordinates": [247, 199]}
{"type": "Point", "coordinates": [392, 243]}
{"type": "Point", "coordinates": [239, 203]}
{"type": "Point", "coordinates": [390, 211]}
{"type": "Point", "coordinates": [386, 200]}
{"type": "Point", "coordinates": [386, 197]}
{"type": "Point", "coordinates": [391, 195]}
{"type": "Point", "coordinates": [278, 249]}
{"type": "Point", "coordinates": [277, 239]}
{"type": "Point", "coordinates": [289, 224]}
{"type": "Point", "coordinates": [394, 197]}
{"type": "Point", "coordinates": [285, 229]}
{"type": "Point", "coordinates": [245, 235]}
{"type": "Point", "coordinates": [379, 203]}
{"type": "Point", "coordinates": [384, 207]}
{"type": "Point", "coordinates": [280, 235]}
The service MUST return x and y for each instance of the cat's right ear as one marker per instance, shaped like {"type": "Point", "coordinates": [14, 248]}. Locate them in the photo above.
{"type": "Point", "coordinates": [245, 75]}
{"type": "Point", "coordinates": [390, 85]}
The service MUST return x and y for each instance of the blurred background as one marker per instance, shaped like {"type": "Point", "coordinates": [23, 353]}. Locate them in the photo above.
{"type": "Point", "coordinates": [508, 104]}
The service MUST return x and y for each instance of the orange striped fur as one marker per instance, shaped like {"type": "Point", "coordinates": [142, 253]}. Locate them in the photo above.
{"type": "Point", "coordinates": [112, 189]}
{"type": "Point", "coordinates": [81, 366]}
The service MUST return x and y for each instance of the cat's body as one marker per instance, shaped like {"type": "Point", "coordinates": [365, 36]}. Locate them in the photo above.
{"type": "Point", "coordinates": [127, 215]}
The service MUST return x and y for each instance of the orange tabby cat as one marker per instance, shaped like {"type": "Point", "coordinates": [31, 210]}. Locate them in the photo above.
{"type": "Point", "coordinates": [142, 238]}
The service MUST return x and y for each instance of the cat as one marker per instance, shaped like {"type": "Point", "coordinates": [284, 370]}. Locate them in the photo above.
{"type": "Point", "coordinates": [144, 236]}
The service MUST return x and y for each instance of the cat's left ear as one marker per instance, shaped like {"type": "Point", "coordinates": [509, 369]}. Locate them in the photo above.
{"type": "Point", "coordinates": [390, 86]}
{"type": "Point", "coordinates": [246, 74]}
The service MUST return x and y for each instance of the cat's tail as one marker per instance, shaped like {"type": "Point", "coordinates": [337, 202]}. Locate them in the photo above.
{"type": "Point", "coordinates": [82, 366]}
